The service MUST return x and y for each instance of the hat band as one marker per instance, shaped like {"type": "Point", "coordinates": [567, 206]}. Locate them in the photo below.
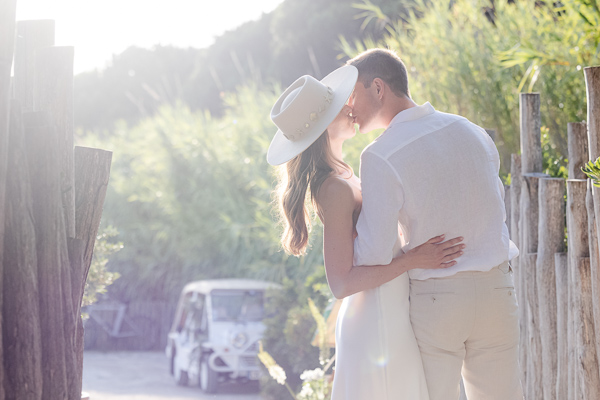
{"type": "Point", "coordinates": [312, 117]}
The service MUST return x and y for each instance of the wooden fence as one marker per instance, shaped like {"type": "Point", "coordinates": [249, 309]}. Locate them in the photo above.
{"type": "Point", "coordinates": [51, 198]}
{"type": "Point", "coordinates": [151, 319]}
{"type": "Point", "coordinates": [557, 281]}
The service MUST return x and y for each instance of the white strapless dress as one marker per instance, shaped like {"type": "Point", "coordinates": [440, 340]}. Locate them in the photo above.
{"type": "Point", "coordinates": [377, 356]}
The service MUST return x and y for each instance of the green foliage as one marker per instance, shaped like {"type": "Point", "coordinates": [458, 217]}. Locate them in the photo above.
{"type": "Point", "coordinates": [291, 330]}
{"type": "Point", "coordinates": [315, 384]}
{"type": "Point", "coordinates": [191, 196]}
{"type": "Point", "coordinates": [472, 59]}
{"type": "Point", "coordinates": [324, 351]}
{"type": "Point", "coordinates": [554, 164]}
{"type": "Point", "coordinates": [592, 170]}
{"type": "Point", "coordinates": [99, 278]}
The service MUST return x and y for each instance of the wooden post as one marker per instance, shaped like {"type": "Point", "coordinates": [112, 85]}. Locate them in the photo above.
{"type": "Point", "coordinates": [515, 196]}
{"type": "Point", "coordinates": [594, 268]}
{"type": "Point", "coordinates": [31, 36]}
{"type": "Point", "coordinates": [587, 366]}
{"type": "Point", "coordinates": [46, 270]}
{"type": "Point", "coordinates": [531, 146]}
{"type": "Point", "coordinates": [531, 162]}
{"type": "Point", "coordinates": [577, 227]}
{"type": "Point", "coordinates": [76, 250]}
{"type": "Point", "coordinates": [507, 207]}
{"type": "Point", "coordinates": [51, 237]}
{"type": "Point", "coordinates": [550, 241]}
{"type": "Point", "coordinates": [527, 263]}
{"type": "Point", "coordinates": [530, 211]}
{"type": "Point", "coordinates": [20, 311]}
{"type": "Point", "coordinates": [8, 9]}
{"type": "Point", "coordinates": [578, 149]}
{"type": "Point", "coordinates": [92, 170]}
{"type": "Point", "coordinates": [592, 81]}
{"type": "Point", "coordinates": [561, 268]}
{"type": "Point", "coordinates": [534, 346]}
{"type": "Point", "coordinates": [53, 93]}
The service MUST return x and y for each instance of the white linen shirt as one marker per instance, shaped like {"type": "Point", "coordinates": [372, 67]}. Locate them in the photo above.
{"type": "Point", "coordinates": [432, 173]}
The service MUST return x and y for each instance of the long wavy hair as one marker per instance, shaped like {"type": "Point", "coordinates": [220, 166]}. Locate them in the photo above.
{"type": "Point", "coordinates": [299, 177]}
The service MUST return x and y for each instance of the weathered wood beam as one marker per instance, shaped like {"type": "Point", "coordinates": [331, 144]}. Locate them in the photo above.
{"type": "Point", "coordinates": [578, 149]}
{"type": "Point", "coordinates": [587, 366]}
{"type": "Point", "coordinates": [53, 93]}
{"type": "Point", "coordinates": [76, 251]}
{"type": "Point", "coordinates": [561, 268]}
{"type": "Point", "coordinates": [531, 162]}
{"type": "Point", "coordinates": [578, 244]}
{"type": "Point", "coordinates": [515, 199]}
{"type": "Point", "coordinates": [31, 36]}
{"type": "Point", "coordinates": [550, 241]}
{"type": "Point", "coordinates": [22, 340]}
{"type": "Point", "coordinates": [8, 9]}
{"type": "Point", "coordinates": [527, 263]}
{"type": "Point", "coordinates": [92, 171]}
{"type": "Point", "coordinates": [50, 238]}
{"type": "Point", "coordinates": [530, 121]}
{"type": "Point", "coordinates": [592, 82]}
{"type": "Point", "coordinates": [594, 267]}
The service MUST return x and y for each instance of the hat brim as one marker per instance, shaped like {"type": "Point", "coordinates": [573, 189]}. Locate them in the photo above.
{"type": "Point", "coordinates": [342, 81]}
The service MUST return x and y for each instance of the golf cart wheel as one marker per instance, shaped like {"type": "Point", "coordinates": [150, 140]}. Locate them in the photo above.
{"type": "Point", "coordinates": [209, 378]}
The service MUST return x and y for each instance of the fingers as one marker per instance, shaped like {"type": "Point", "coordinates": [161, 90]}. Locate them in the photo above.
{"type": "Point", "coordinates": [448, 264]}
{"type": "Point", "coordinates": [453, 249]}
{"type": "Point", "coordinates": [437, 239]}
{"type": "Point", "coordinates": [452, 242]}
{"type": "Point", "coordinates": [452, 256]}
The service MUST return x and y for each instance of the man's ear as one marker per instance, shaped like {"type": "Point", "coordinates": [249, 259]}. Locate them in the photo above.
{"type": "Point", "coordinates": [379, 87]}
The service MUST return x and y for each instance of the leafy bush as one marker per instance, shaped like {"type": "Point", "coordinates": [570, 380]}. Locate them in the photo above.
{"type": "Point", "coordinates": [473, 58]}
{"type": "Point", "coordinates": [291, 329]}
{"type": "Point", "coordinates": [99, 278]}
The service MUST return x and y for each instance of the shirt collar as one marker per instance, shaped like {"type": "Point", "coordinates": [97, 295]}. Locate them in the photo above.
{"type": "Point", "coordinates": [413, 113]}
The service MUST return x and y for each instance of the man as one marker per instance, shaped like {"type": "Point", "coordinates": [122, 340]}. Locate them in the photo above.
{"type": "Point", "coordinates": [433, 173]}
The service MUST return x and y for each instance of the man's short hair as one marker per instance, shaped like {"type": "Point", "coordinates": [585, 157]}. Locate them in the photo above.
{"type": "Point", "coordinates": [385, 65]}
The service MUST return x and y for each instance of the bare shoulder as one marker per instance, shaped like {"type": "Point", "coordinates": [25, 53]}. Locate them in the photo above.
{"type": "Point", "coordinates": [335, 192]}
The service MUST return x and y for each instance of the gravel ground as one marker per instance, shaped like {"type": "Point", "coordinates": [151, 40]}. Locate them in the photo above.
{"type": "Point", "coordinates": [145, 376]}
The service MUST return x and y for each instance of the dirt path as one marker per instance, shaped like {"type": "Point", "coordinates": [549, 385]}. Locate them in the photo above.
{"type": "Point", "coordinates": [145, 376]}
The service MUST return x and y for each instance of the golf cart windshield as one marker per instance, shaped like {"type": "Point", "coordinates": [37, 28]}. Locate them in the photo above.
{"type": "Point", "coordinates": [237, 305]}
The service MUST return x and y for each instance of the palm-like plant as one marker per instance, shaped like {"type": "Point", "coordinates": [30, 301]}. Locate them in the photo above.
{"type": "Point", "coordinates": [592, 170]}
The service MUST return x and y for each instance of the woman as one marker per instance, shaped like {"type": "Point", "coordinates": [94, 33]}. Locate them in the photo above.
{"type": "Point", "coordinates": [377, 354]}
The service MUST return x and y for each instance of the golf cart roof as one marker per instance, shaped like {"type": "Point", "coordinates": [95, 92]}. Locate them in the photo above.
{"type": "Point", "coordinates": [206, 286]}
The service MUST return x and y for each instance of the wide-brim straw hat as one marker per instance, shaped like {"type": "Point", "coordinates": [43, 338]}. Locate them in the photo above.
{"type": "Point", "coordinates": [305, 110]}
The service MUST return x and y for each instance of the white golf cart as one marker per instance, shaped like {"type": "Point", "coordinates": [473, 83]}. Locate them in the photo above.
{"type": "Point", "coordinates": [215, 333]}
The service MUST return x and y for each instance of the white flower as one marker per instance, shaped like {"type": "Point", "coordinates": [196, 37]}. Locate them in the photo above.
{"type": "Point", "coordinates": [278, 374]}
{"type": "Point", "coordinates": [306, 391]}
{"type": "Point", "coordinates": [312, 375]}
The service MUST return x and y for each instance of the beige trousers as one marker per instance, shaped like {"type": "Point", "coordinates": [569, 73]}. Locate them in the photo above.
{"type": "Point", "coordinates": [468, 323]}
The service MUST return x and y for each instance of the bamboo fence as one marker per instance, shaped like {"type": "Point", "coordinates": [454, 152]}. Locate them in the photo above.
{"type": "Point", "coordinates": [557, 277]}
{"type": "Point", "coordinates": [51, 198]}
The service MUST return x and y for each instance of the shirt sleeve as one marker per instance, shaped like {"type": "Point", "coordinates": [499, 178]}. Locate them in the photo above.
{"type": "Point", "coordinates": [382, 199]}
